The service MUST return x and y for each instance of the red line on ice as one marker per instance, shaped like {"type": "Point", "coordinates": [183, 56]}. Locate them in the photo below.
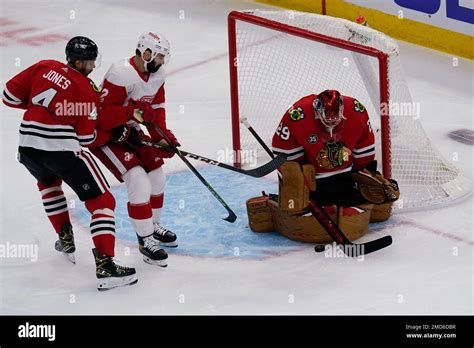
{"type": "Point", "coordinates": [219, 56]}
{"type": "Point", "coordinates": [432, 230]}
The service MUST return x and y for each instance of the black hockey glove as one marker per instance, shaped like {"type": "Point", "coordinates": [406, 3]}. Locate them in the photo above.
{"type": "Point", "coordinates": [129, 135]}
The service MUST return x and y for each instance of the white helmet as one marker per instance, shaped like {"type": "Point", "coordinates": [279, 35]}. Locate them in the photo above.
{"type": "Point", "coordinates": [156, 43]}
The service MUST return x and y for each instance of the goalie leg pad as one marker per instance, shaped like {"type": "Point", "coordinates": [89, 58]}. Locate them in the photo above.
{"type": "Point", "coordinates": [300, 226]}
{"type": "Point", "coordinates": [309, 173]}
{"type": "Point", "coordinates": [354, 221]}
{"type": "Point", "coordinates": [259, 214]}
{"type": "Point", "coordinates": [296, 185]}
{"type": "Point", "coordinates": [303, 227]}
{"type": "Point", "coordinates": [381, 212]}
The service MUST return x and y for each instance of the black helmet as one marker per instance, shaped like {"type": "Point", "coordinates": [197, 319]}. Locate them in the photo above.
{"type": "Point", "coordinates": [81, 48]}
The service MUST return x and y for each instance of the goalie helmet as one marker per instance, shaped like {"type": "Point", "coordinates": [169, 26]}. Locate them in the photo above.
{"type": "Point", "coordinates": [329, 108]}
{"type": "Point", "coordinates": [156, 44]}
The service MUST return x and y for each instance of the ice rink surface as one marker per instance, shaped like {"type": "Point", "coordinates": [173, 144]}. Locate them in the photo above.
{"type": "Point", "coordinates": [222, 268]}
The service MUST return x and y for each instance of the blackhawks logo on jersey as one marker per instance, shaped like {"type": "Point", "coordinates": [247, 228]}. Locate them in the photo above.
{"type": "Point", "coordinates": [296, 114]}
{"type": "Point", "coordinates": [94, 87]}
{"type": "Point", "coordinates": [333, 155]}
{"type": "Point", "coordinates": [358, 106]}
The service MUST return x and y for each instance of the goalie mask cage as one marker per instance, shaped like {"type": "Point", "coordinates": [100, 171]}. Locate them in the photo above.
{"type": "Point", "coordinates": [277, 57]}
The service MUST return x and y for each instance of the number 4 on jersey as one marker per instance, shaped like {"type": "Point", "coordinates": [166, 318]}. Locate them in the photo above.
{"type": "Point", "coordinates": [44, 98]}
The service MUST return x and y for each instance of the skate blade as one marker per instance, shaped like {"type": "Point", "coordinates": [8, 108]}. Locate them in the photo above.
{"type": "Point", "coordinates": [169, 245]}
{"type": "Point", "coordinates": [161, 263]}
{"type": "Point", "coordinates": [114, 282]}
{"type": "Point", "coordinates": [71, 257]}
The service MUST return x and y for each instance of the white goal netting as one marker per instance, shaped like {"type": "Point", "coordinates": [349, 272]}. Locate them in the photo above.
{"type": "Point", "coordinates": [275, 69]}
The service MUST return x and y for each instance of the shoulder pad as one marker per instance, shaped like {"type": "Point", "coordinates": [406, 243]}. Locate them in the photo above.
{"type": "Point", "coordinates": [122, 74]}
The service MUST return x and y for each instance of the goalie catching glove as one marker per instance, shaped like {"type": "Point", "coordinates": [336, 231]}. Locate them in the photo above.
{"type": "Point", "coordinates": [375, 188]}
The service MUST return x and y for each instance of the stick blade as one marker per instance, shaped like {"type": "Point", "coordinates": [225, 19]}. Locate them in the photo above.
{"type": "Point", "coordinates": [231, 218]}
{"type": "Point", "coordinates": [377, 244]}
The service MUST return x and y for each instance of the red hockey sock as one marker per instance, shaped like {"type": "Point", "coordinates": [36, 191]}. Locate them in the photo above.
{"type": "Point", "coordinates": [141, 218]}
{"type": "Point", "coordinates": [103, 223]}
{"type": "Point", "coordinates": [156, 205]}
{"type": "Point", "coordinates": [55, 204]}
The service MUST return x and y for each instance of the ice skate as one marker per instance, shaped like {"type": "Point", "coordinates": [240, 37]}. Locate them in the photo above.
{"type": "Point", "coordinates": [164, 236]}
{"type": "Point", "coordinates": [110, 274]}
{"type": "Point", "coordinates": [65, 243]}
{"type": "Point", "coordinates": [152, 253]}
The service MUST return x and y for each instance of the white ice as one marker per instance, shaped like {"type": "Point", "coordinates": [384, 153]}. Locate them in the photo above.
{"type": "Point", "coordinates": [427, 270]}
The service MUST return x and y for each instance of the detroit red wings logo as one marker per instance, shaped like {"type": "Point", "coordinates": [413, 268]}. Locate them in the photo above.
{"type": "Point", "coordinates": [147, 98]}
{"type": "Point", "coordinates": [153, 35]}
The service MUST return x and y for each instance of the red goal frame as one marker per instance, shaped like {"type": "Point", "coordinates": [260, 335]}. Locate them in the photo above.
{"type": "Point", "coordinates": [382, 57]}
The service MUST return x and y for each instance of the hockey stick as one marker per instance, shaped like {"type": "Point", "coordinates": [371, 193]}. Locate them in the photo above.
{"type": "Point", "coordinates": [232, 217]}
{"type": "Point", "coordinates": [349, 248]}
{"type": "Point", "coordinates": [258, 172]}
{"type": "Point", "coordinates": [244, 121]}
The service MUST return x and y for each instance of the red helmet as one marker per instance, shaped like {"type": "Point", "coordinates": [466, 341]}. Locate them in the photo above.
{"type": "Point", "coordinates": [328, 108]}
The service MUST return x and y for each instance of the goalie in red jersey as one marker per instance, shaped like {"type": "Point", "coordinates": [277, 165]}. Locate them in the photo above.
{"type": "Point", "coordinates": [333, 133]}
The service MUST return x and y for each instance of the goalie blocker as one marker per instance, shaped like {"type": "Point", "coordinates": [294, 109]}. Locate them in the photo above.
{"type": "Point", "coordinates": [287, 213]}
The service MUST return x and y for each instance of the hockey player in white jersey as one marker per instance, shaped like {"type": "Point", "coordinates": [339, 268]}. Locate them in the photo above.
{"type": "Point", "coordinates": [131, 84]}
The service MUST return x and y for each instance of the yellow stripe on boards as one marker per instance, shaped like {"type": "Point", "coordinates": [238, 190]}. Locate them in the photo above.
{"type": "Point", "coordinates": [313, 6]}
{"type": "Point", "coordinates": [399, 28]}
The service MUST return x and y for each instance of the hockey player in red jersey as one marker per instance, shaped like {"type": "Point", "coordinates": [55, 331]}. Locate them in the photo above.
{"type": "Point", "coordinates": [61, 116]}
{"type": "Point", "coordinates": [332, 132]}
{"type": "Point", "coordinates": [138, 82]}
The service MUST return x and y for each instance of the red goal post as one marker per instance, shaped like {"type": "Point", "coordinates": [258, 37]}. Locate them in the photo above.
{"type": "Point", "coordinates": [347, 45]}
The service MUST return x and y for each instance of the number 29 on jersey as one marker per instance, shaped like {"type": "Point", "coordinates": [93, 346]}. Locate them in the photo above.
{"type": "Point", "coordinates": [283, 132]}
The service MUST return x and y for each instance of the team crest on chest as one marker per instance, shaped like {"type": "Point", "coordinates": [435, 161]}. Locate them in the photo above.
{"type": "Point", "coordinates": [296, 114]}
{"type": "Point", "coordinates": [333, 155]}
{"type": "Point", "coordinates": [147, 98]}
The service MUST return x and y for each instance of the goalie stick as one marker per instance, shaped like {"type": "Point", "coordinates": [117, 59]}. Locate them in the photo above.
{"type": "Point", "coordinates": [258, 172]}
{"type": "Point", "coordinates": [349, 248]}
{"type": "Point", "coordinates": [231, 217]}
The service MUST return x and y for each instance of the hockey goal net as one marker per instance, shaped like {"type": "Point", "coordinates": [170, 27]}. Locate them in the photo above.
{"type": "Point", "coordinates": [277, 57]}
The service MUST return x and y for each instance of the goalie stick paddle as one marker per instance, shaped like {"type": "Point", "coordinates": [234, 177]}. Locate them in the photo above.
{"type": "Point", "coordinates": [231, 217]}
{"type": "Point", "coordinates": [349, 248]}
{"type": "Point", "coordinates": [339, 237]}
{"type": "Point", "coordinates": [258, 172]}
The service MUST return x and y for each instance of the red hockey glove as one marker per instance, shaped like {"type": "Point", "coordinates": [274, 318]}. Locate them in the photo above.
{"type": "Point", "coordinates": [140, 111]}
{"type": "Point", "coordinates": [164, 154]}
{"type": "Point", "coordinates": [171, 137]}
{"type": "Point", "coordinates": [156, 136]}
